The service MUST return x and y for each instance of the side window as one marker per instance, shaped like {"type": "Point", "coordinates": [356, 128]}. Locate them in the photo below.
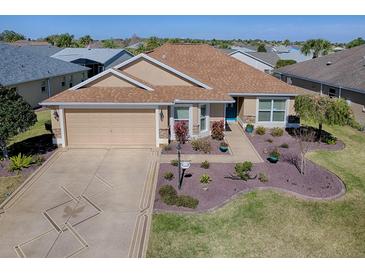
{"type": "Point", "coordinates": [288, 80]}
{"type": "Point", "coordinates": [63, 83]}
{"type": "Point", "coordinates": [332, 92]}
{"type": "Point", "coordinates": [71, 80]}
{"type": "Point", "coordinates": [43, 86]}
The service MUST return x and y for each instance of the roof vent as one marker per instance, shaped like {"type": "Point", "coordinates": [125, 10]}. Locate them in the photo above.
{"type": "Point", "coordinates": [329, 63]}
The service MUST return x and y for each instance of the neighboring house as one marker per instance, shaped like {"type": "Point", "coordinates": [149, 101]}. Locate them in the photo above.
{"type": "Point", "coordinates": [136, 45]}
{"type": "Point", "coordinates": [245, 48]}
{"type": "Point", "coordinates": [264, 61]}
{"type": "Point", "coordinates": [97, 59]}
{"type": "Point", "coordinates": [138, 102]}
{"type": "Point", "coordinates": [34, 76]}
{"type": "Point", "coordinates": [290, 53]}
{"type": "Point", "coordinates": [341, 74]}
{"type": "Point", "coordinates": [41, 49]}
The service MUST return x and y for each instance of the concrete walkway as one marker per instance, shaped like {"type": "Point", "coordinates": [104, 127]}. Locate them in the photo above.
{"type": "Point", "coordinates": [240, 146]}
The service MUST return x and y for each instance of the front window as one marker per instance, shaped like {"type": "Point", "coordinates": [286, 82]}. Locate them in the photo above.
{"type": "Point", "coordinates": [181, 114]}
{"type": "Point", "coordinates": [43, 86]}
{"type": "Point", "coordinates": [203, 117]}
{"type": "Point", "coordinates": [271, 110]}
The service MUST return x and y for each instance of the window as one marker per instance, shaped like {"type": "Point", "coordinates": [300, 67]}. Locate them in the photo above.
{"type": "Point", "coordinates": [288, 80]}
{"type": "Point", "coordinates": [332, 92]}
{"type": "Point", "coordinates": [272, 110]}
{"type": "Point", "coordinates": [71, 80]}
{"type": "Point", "coordinates": [63, 83]}
{"type": "Point", "coordinates": [181, 114]}
{"type": "Point", "coordinates": [43, 86]}
{"type": "Point", "coordinates": [203, 117]}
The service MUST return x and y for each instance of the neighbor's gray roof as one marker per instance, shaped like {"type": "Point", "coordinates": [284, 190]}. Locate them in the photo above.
{"type": "Point", "coordinates": [44, 50]}
{"type": "Point", "coordinates": [345, 68]}
{"type": "Point", "coordinates": [19, 66]}
{"type": "Point", "coordinates": [268, 58]}
{"type": "Point", "coordinates": [100, 55]}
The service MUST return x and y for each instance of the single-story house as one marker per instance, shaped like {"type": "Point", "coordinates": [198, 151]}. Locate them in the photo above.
{"type": "Point", "coordinates": [36, 77]}
{"type": "Point", "coordinates": [40, 48]}
{"type": "Point", "coordinates": [340, 74]}
{"type": "Point", "coordinates": [97, 59]}
{"type": "Point", "coordinates": [264, 61]}
{"type": "Point", "coordinates": [137, 102]}
{"type": "Point", "coordinates": [290, 53]}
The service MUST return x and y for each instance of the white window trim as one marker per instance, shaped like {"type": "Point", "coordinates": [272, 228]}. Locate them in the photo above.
{"type": "Point", "coordinates": [271, 122]}
{"type": "Point", "coordinates": [172, 119]}
{"type": "Point", "coordinates": [207, 118]}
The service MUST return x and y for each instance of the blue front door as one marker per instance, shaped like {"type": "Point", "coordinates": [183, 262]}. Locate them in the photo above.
{"type": "Point", "coordinates": [231, 111]}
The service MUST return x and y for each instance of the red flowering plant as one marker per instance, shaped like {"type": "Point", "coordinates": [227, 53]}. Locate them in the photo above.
{"type": "Point", "coordinates": [181, 131]}
{"type": "Point", "coordinates": [218, 130]}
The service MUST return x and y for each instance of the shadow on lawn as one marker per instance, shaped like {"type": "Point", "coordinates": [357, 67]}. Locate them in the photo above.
{"type": "Point", "coordinates": [35, 145]}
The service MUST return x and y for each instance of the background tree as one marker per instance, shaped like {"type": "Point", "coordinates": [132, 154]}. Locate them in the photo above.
{"type": "Point", "coordinates": [11, 36]}
{"type": "Point", "coordinates": [286, 42]}
{"type": "Point", "coordinates": [356, 42]}
{"type": "Point", "coordinates": [110, 43]}
{"type": "Point", "coordinates": [261, 48]}
{"type": "Point", "coordinates": [282, 63]}
{"type": "Point", "coordinates": [64, 40]}
{"type": "Point", "coordinates": [16, 116]}
{"type": "Point", "coordinates": [323, 110]}
{"type": "Point", "coordinates": [84, 41]}
{"type": "Point", "coordinates": [316, 46]}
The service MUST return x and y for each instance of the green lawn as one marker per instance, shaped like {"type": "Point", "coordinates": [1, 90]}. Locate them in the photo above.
{"type": "Point", "coordinates": [269, 224]}
{"type": "Point", "coordinates": [43, 117]}
{"type": "Point", "coordinates": [8, 185]}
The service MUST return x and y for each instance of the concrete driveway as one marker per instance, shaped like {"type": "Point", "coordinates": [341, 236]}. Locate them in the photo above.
{"type": "Point", "coordinates": [83, 203]}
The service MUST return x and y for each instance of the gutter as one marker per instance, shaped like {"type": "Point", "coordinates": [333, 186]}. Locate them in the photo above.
{"type": "Point", "coordinates": [102, 104]}
{"type": "Point", "coordinates": [262, 94]}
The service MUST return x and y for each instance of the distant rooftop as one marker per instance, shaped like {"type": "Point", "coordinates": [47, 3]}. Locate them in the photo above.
{"type": "Point", "coordinates": [19, 65]}
{"type": "Point", "coordinates": [344, 68]}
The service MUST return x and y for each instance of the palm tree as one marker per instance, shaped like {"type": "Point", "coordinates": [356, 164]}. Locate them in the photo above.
{"type": "Point", "coordinates": [317, 47]}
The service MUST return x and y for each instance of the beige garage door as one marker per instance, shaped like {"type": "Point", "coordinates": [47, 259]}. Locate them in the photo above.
{"type": "Point", "coordinates": [127, 127]}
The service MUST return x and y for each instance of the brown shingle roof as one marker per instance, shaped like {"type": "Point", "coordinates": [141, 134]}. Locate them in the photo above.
{"type": "Point", "coordinates": [160, 94]}
{"type": "Point", "coordinates": [216, 69]}
{"type": "Point", "coordinates": [202, 62]}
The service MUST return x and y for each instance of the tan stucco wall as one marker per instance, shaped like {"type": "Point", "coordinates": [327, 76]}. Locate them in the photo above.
{"type": "Point", "coordinates": [32, 92]}
{"type": "Point", "coordinates": [291, 106]}
{"type": "Point", "coordinates": [196, 119]}
{"type": "Point", "coordinates": [109, 81]}
{"type": "Point", "coordinates": [216, 112]}
{"type": "Point", "coordinates": [163, 125]}
{"type": "Point", "coordinates": [249, 106]}
{"type": "Point", "coordinates": [153, 74]}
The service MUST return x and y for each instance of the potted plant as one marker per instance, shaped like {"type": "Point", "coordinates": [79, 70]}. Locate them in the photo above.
{"type": "Point", "coordinates": [249, 128]}
{"type": "Point", "coordinates": [205, 180]}
{"type": "Point", "coordinates": [223, 147]}
{"type": "Point", "coordinates": [274, 156]}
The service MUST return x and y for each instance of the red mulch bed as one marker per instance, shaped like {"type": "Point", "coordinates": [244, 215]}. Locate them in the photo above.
{"type": "Point", "coordinates": [187, 148]}
{"type": "Point", "coordinates": [316, 183]}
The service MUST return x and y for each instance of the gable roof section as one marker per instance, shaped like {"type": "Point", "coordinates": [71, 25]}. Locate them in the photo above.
{"type": "Point", "coordinates": [219, 71]}
{"type": "Point", "coordinates": [344, 69]}
{"type": "Point", "coordinates": [163, 65]}
{"type": "Point", "coordinates": [267, 58]}
{"type": "Point", "coordinates": [20, 66]}
{"type": "Point", "coordinates": [116, 73]}
{"type": "Point", "coordinates": [100, 55]}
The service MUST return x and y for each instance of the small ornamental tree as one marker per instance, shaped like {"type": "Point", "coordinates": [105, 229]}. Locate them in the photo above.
{"type": "Point", "coordinates": [181, 132]}
{"type": "Point", "coordinates": [282, 63]}
{"type": "Point", "coordinates": [261, 48]}
{"type": "Point", "coordinates": [16, 116]}
{"type": "Point", "coordinates": [323, 110]}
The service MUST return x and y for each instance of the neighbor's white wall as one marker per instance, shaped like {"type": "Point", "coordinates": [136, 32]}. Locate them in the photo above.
{"type": "Point", "coordinates": [250, 61]}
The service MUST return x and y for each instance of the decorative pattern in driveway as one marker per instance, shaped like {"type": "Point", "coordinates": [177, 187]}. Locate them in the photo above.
{"type": "Point", "coordinates": [84, 203]}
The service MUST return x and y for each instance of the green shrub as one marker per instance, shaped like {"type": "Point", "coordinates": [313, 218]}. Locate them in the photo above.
{"type": "Point", "coordinates": [174, 162]}
{"type": "Point", "coordinates": [329, 140]}
{"type": "Point", "coordinates": [167, 148]}
{"type": "Point", "coordinates": [277, 132]}
{"type": "Point", "coordinates": [38, 159]}
{"type": "Point", "coordinates": [260, 130]}
{"type": "Point", "coordinates": [186, 201]}
{"type": "Point", "coordinates": [223, 144]}
{"type": "Point", "coordinates": [19, 162]}
{"type": "Point", "coordinates": [205, 179]}
{"type": "Point", "coordinates": [275, 153]}
{"type": "Point", "coordinates": [242, 170]}
{"type": "Point", "coordinates": [169, 196]}
{"type": "Point", "coordinates": [263, 177]}
{"type": "Point", "coordinates": [201, 145]}
{"type": "Point", "coordinates": [168, 176]}
{"type": "Point", "coordinates": [284, 145]}
{"type": "Point", "coordinates": [269, 140]}
{"type": "Point", "coordinates": [205, 164]}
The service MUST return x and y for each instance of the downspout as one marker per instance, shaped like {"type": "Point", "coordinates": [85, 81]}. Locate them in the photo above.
{"type": "Point", "coordinates": [321, 89]}
{"type": "Point", "coordinates": [49, 87]}
{"type": "Point", "coordinates": [339, 92]}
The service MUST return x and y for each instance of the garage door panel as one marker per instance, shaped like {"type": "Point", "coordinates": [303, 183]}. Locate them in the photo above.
{"type": "Point", "coordinates": [111, 127]}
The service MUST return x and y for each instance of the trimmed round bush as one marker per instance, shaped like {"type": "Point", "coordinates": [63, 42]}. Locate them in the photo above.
{"type": "Point", "coordinates": [277, 132]}
{"type": "Point", "coordinates": [260, 130]}
{"type": "Point", "coordinates": [187, 201]}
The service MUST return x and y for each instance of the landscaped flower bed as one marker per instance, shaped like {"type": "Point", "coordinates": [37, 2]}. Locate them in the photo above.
{"type": "Point", "coordinates": [187, 148]}
{"type": "Point", "coordinates": [224, 183]}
